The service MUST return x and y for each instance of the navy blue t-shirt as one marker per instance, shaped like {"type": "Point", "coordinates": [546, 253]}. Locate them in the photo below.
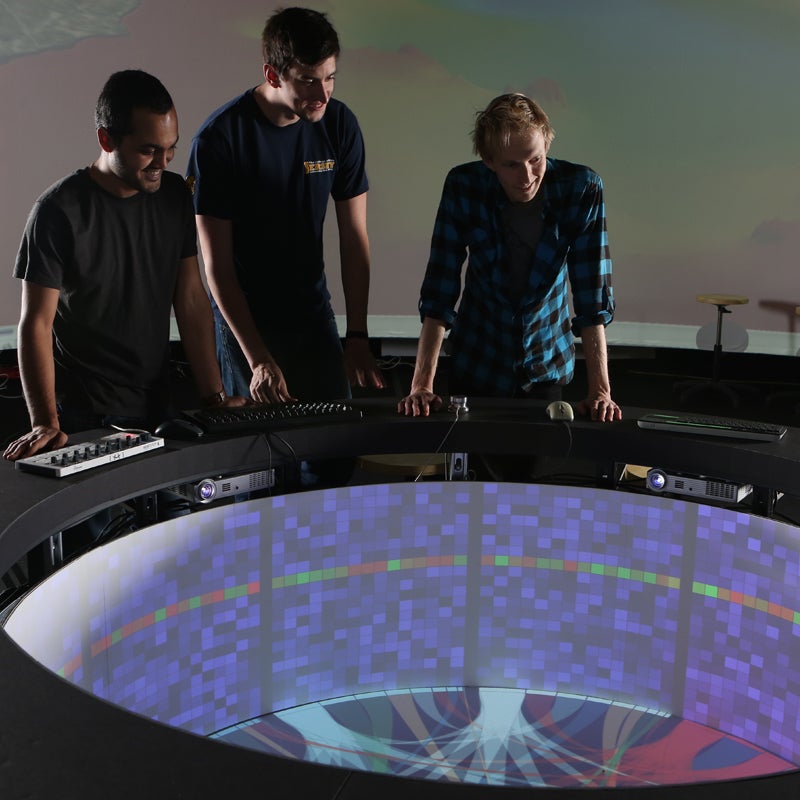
{"type": "Point", "coordinates": [274, 184]}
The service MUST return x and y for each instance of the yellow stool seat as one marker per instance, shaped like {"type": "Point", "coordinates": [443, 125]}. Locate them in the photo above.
{"type": "Point", "coordinates": [723, 299]}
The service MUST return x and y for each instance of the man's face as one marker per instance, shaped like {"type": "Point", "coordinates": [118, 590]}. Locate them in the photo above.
{"type": "Point", "coordinates": [139, 159]}
{"type": "Point", "coordinates": [520, 166]}
{"type": "Point", "coordinates": [304, 91]}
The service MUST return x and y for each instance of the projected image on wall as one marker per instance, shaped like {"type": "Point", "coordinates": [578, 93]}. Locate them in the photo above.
{"type": "Point", "coordinates": [695, 142]}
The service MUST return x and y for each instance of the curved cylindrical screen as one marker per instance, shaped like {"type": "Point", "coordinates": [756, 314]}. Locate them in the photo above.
{"type": "Point", "coordinates": [238, 611]}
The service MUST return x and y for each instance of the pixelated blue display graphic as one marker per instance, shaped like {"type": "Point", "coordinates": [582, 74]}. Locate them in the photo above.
{"type": "Point", "coordinates": [246, 609]}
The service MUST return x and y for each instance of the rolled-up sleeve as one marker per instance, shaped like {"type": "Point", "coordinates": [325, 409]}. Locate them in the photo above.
{"type": "Point", "coordinates": [589, 261]}
{"type": "Point", "coordinates": [441, 286]}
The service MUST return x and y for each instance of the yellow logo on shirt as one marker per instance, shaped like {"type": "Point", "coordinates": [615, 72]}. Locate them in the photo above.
{"type": "Point", "coordinates": [319, 166]}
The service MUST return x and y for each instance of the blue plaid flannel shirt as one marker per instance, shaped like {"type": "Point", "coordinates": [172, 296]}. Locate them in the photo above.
{"type": "Point", "coordinates": [499, 342]}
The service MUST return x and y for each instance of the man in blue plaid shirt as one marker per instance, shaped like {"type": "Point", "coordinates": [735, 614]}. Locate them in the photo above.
{"type": "Point", "coordinates": [532, 226]}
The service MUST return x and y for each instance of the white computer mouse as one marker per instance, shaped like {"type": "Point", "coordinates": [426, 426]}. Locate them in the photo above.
{"type": "Point", "coordinates": [560, 409]}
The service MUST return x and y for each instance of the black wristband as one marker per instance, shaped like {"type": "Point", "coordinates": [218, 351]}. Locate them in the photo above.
{"type": "Point", "coordinates": [356, 335]}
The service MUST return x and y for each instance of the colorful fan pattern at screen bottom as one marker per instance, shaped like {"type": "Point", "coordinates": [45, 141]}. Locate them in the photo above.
{"type": "Point", "coordinates": [505, 737]}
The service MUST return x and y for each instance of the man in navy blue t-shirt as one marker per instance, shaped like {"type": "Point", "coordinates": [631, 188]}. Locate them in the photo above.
{"type": "Point", "coordinates": [262, 169]}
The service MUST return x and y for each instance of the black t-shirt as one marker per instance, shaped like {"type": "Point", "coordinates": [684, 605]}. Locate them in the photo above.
{"type": "Point", "coordinates": [522, 224]}
{"type": "Point", "coordinates": [115, 261]}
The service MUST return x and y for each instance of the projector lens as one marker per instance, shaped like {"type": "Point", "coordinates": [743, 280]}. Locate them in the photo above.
{"type": "Point", "coordinates": [206, 491]}
{"type": "Point", "coordinates": [656, 480]}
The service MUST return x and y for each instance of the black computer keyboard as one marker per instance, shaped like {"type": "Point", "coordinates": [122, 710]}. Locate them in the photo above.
{"type": "Point", "coordinates": [709, 425]}
{"type": "Point", "coordinates": [272, 416]}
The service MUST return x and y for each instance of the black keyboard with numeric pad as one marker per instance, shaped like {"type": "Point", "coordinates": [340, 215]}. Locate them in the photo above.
{"type": "Point", "coordinates": [711, 425]}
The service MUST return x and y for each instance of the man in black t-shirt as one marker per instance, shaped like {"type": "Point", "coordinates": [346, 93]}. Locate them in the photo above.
{"type": "Point", "coordinates": [106, 253]}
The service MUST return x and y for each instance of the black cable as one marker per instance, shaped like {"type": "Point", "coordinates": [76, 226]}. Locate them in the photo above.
{"type": "Point", "coordinates": [568, 426]}
{"type": "Point", "coordinates": [265, 438]}
{"type": "Point", "coordinates": [286, 445]}
{"type": "Point", "coordinates": [5, 381]}
{"type": "Point", "coordinates": [440, 445]}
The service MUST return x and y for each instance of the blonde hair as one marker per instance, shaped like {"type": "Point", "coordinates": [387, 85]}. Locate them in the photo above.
{"type": "Point", "coordinates": [505, 116]}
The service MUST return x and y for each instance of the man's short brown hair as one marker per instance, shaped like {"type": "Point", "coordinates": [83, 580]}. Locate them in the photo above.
{"type": "Point", "coordinates": [298, 35]}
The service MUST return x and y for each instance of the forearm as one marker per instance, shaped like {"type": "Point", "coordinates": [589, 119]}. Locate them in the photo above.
{"type": "Point", "coordinates": [236, 310]}
{"type": "Point", "coordinates": [355, 285]}
{"type": "Point", "coordinates": [428, 349]}
{"type": "Point", "coordinates": [355, 260]}
{"type": "Point", "coordinates": [596, 356]}
{"type": "Point", "coordinates": [37, 372]}
{"type": "Point", "coordinates": [216, 241]}
{"type": "Point", "coordinates": [196, 326]}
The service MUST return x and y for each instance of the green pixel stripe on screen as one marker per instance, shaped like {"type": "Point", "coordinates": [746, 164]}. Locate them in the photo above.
{"type": "Point", "coordinates": [368, 568]}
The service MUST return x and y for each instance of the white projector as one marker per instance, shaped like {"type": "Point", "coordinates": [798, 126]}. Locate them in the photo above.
{"type": "Point", "coordinates": [699, 486]}
{"type": "Point", "coordinates": [210, 489]}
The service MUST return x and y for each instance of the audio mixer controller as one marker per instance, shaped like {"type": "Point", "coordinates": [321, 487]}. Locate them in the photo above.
{"type": "Point", "coordinates": [94, 453]}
